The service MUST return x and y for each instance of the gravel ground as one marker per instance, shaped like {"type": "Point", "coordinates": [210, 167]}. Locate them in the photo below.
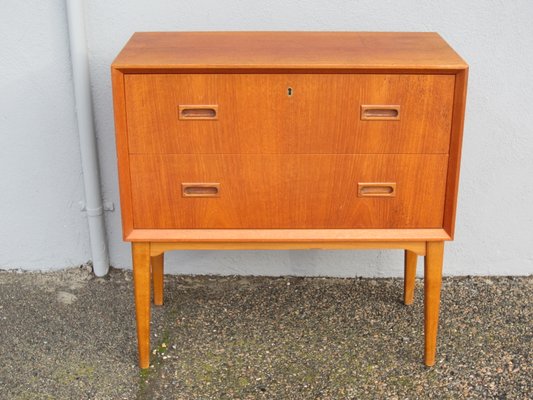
{"type": "Point", "coordinates": [69, 335]}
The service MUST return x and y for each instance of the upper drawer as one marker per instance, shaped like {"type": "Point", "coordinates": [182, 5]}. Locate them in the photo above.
{"type": "Point", "coordinates": [288, 113]}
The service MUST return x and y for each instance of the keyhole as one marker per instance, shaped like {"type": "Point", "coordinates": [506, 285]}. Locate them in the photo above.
{"type": "Point", "coordinates": [289, 91]}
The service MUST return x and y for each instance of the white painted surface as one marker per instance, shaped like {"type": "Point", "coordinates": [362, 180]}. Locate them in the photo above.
{"type": "Point", "coordinates": [93, 204]}
{"type": "Point", "coordinates": [42, 228]}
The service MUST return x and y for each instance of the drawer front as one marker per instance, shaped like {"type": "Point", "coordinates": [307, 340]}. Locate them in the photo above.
{"type": "Point", "coordinates": [287, 191]}
{"type": "Point", "coordinates": [288, 113]}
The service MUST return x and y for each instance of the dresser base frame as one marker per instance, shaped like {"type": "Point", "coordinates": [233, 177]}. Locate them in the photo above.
{"type": "Point", "coordinates": [148, 267]}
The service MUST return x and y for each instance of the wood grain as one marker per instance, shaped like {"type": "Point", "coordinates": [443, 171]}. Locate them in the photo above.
{"type": "Point", "coordinates": [257, 116]}
{"type": "Point", "coordinates": [311, 51]}
{"type": "Point", "coordinates": [273, 119]}
{"type": "Point", "coordinates": [121, 138]}
{"type": "Point", "coordinates": [248, 239]}
{"type": "Point", "coordinates": [287, 191]}
{"type": "Point", "coordinates": [432, 286]}
{"type": "Point", "coordinates": [141, 281]}
{"type": "Point", "coordinates": [456, 143]}
{"type": "Point", "coordinates": [157, 262]}
{"type": "Point", "coordinates": [419, 248]}
{"type": "Point", "coordinates": [410, 261]}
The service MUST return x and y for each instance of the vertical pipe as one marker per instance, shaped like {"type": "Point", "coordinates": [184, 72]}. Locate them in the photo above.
{"type": "Point", "coordinates": [89, 155]}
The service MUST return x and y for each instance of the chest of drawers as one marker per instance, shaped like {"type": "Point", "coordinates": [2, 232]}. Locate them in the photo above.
{"type": "Point", "coordinates": [288, 140]}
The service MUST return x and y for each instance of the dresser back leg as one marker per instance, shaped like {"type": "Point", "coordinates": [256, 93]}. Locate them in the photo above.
{"type": "Point", "coordinates": [409, 277]}
{"type": "Point", "coordinates": [157, 277]}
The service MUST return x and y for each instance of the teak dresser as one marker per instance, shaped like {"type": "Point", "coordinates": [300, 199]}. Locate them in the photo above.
{"type": "Point", "coordinates": [288, 140]}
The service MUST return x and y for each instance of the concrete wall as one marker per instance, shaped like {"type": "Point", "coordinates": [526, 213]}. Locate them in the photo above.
{"type": "Point", "coordinates": [42, 227]}
{"type": "Point", "coordinates": [41, 184]}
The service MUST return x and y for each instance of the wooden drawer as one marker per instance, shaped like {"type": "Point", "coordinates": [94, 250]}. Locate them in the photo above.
{"type": "Point", "coordinates": [288, 191]}
{"type": "Point", "coordinates": [288, 113]}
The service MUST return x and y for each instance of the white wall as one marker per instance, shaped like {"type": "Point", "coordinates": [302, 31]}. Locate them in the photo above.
{"type": "Point", "coordinates": [41, 226]}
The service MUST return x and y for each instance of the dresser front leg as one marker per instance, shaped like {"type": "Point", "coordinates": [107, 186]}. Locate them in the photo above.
{"type": "Point", "coordinates": [141, 281]}
{"type": "Point", "coordinates": [409, 277]}
{"type": "Point", "coordinates": [158, 263]}
{"type": "Point", "coordinates": [432, 285]}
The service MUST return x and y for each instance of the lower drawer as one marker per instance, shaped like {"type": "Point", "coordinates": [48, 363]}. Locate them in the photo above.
{"type": "Point", "coordinates": [287, 191]}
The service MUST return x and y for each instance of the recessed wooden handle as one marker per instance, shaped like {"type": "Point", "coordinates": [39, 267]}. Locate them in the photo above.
{"type": "Point", "coordinates": [374, 189]}
{"type": "Point", "coordinates": [380, 112]}
{"type": "Point", "coordinates": [200, 189]}
{"type": "Point", "coordinates": [194, 112]}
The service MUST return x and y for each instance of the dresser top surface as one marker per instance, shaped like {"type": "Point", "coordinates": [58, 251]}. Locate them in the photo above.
{"type": "Point", "coordinates": [387, 51]}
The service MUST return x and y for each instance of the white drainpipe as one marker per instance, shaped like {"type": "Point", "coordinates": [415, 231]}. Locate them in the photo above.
{"type": "Point", "coordinates": [89, 155]}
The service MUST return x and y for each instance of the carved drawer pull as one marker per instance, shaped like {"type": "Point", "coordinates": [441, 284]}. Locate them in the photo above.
{"type": "Point", "coordinates": [380, 112]}
{"type": "Point", "coordinates": [200, 189]}
{"type": "Point", "coordinates": [380, 189]}
{"type": "Point", "coordinates": [194, 112]}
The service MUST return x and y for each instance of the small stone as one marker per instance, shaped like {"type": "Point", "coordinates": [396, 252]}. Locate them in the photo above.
{"type": "Point", "coordinates": [66, 298]}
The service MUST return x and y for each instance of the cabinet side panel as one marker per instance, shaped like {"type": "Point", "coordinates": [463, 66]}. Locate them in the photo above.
{"type": "Point", "coordinates": [121, 137]}
{"type": "Point", "coordinates": [454, 162]}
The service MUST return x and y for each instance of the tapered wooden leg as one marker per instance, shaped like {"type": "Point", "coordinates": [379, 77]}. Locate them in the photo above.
{"type": "Point", "coordinates": [157, 277]}
{"type": "Point", "coordinates": [432, 285]}
{"type": "Point", "coordinates": [409, 277]}
{"type": "Point", "coordinates": [141, 281]}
